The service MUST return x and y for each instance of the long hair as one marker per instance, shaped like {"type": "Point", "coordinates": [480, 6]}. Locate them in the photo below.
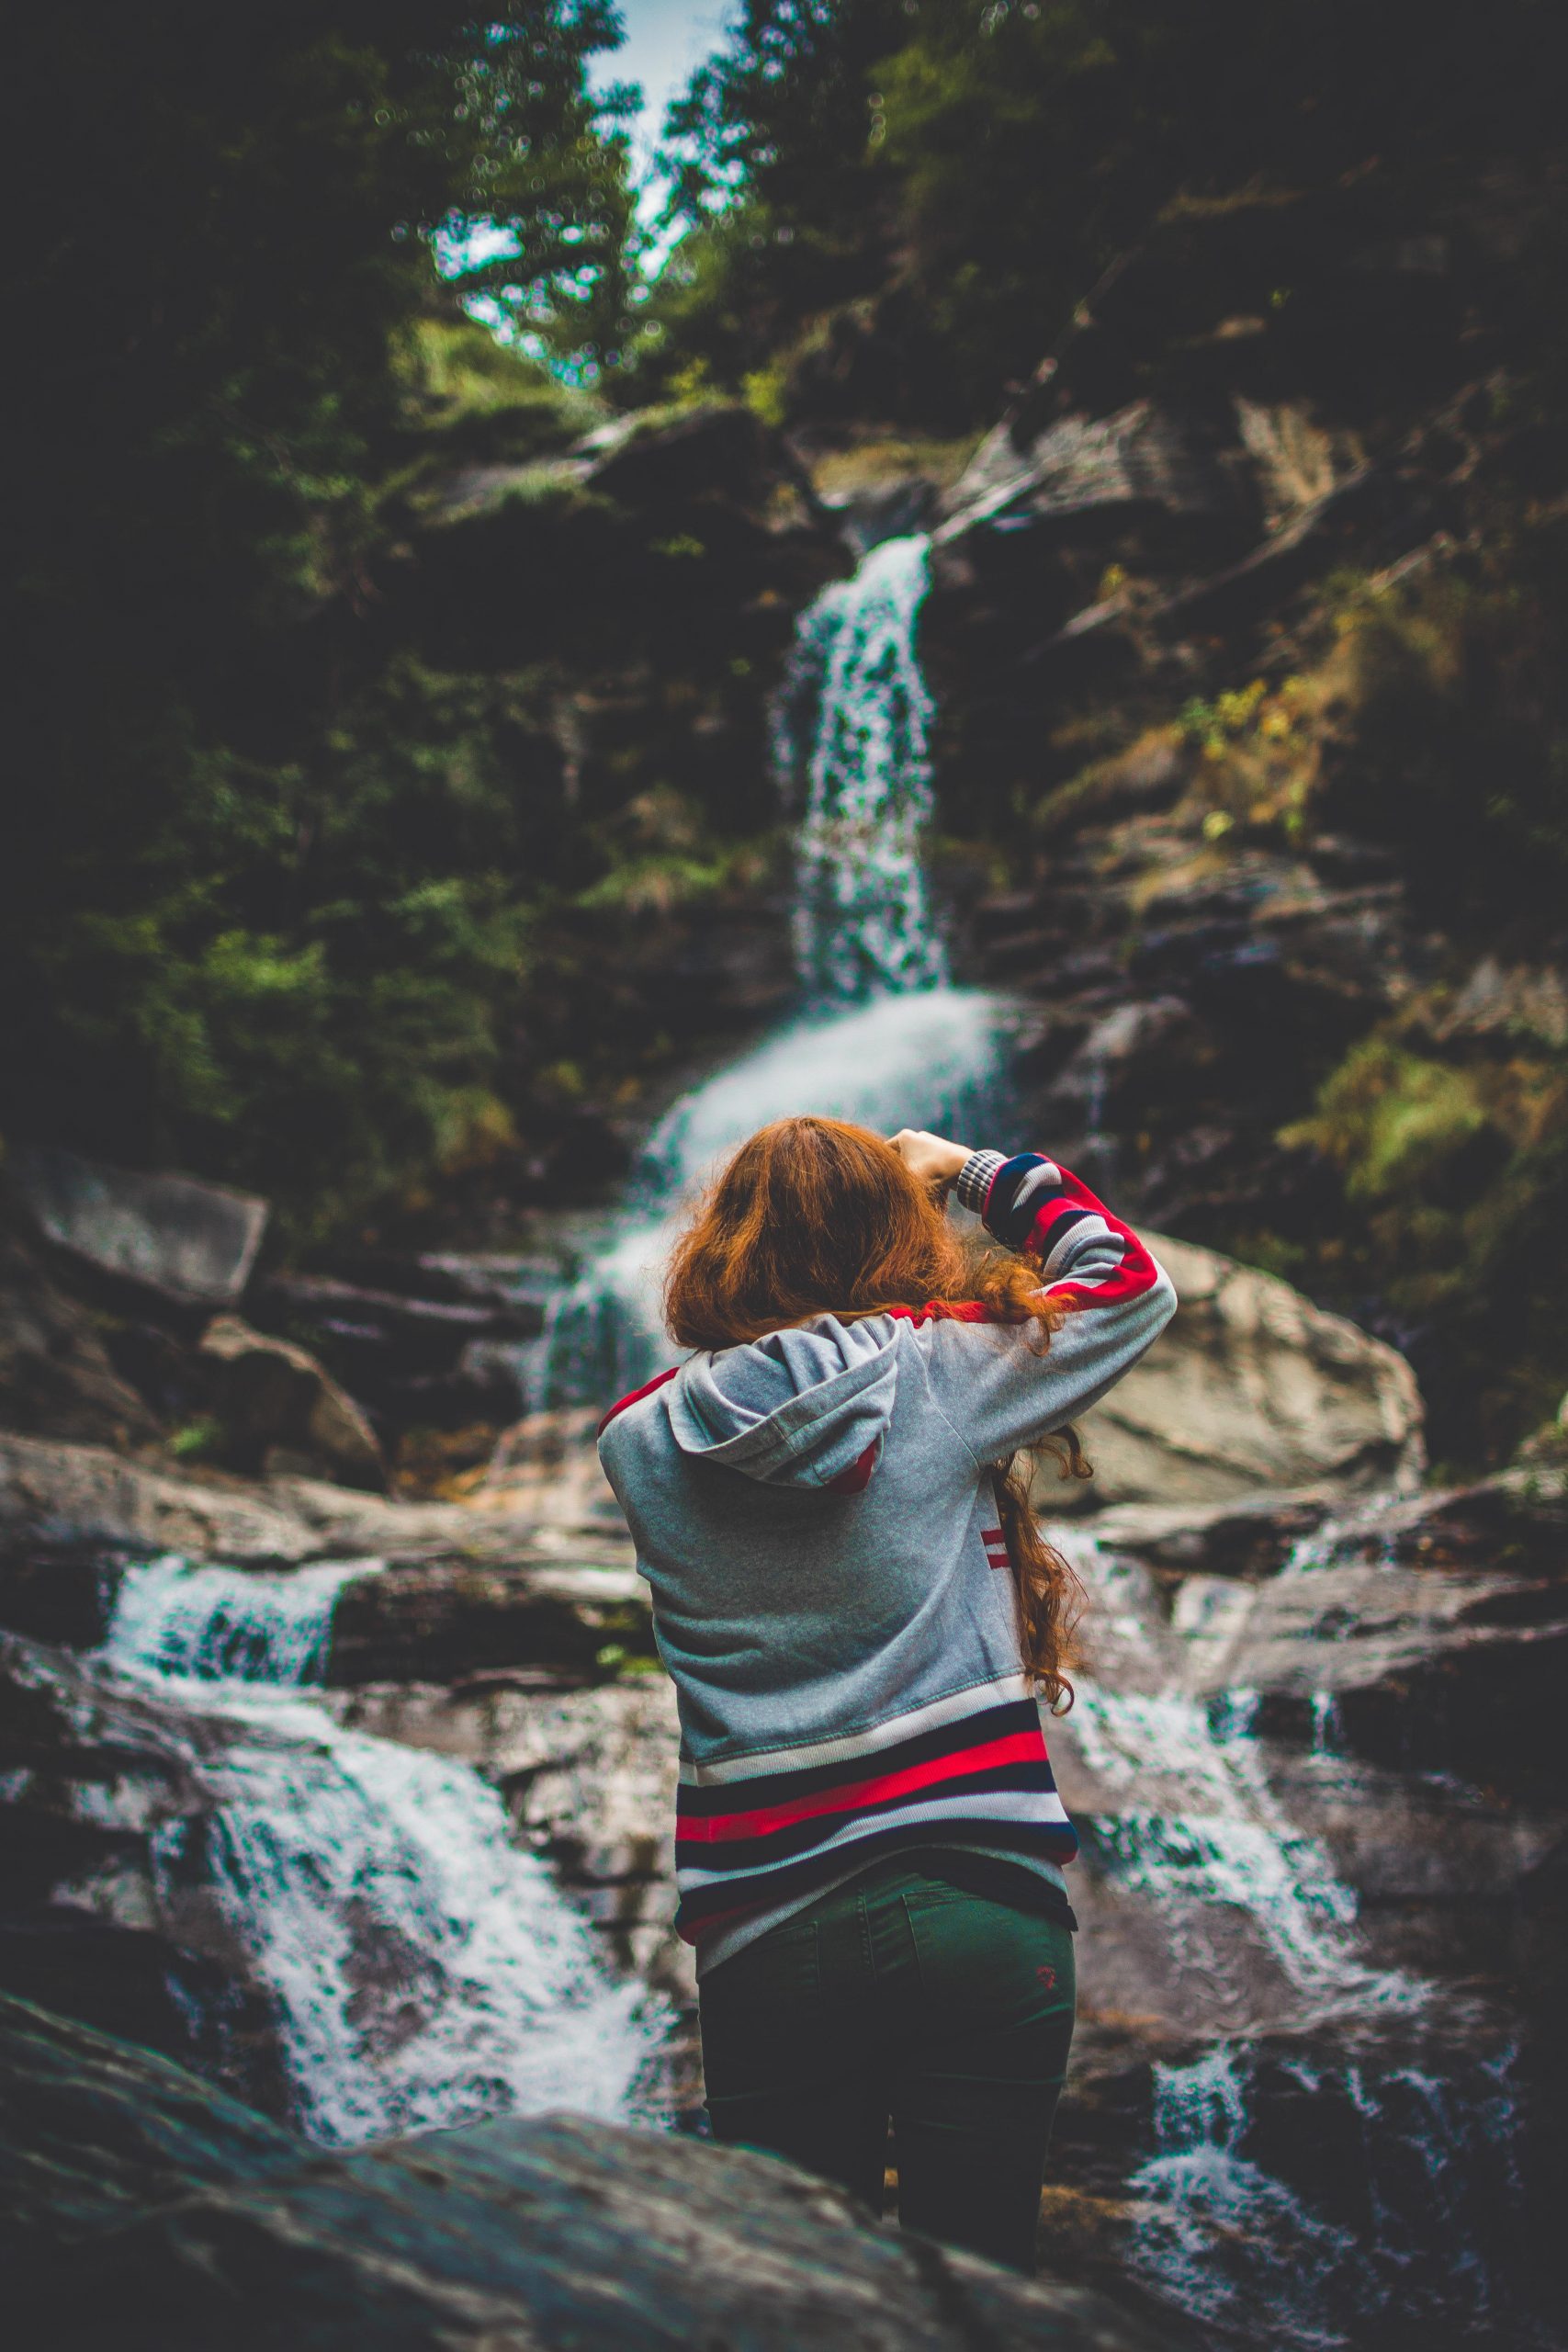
{"type": "Point", "coordinates": [814, 1216]}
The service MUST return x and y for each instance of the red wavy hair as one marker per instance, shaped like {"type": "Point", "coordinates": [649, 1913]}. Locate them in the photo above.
{"type": "Point", "coordinates": [815, 1216]}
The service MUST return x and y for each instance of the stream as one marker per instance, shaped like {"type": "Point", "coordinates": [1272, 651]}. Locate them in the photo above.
{"type": "Point", "coordinates": [423, 1972]}
{"type": "Point", "coordinates": [1329, 2146]}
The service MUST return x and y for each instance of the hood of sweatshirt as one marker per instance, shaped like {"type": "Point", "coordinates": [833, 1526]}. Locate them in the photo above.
{"type": "Point", "coordinates": [805, 1408]}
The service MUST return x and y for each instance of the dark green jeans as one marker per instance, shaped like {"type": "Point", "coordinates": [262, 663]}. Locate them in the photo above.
{"type": "Point", "coordinates": [909, 1995]}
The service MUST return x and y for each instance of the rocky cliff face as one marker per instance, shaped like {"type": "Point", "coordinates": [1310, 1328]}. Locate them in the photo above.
{"type": "Point", "coordinates": [634, 593]}
{"type": "Point", "coordinates": [1239, 616]}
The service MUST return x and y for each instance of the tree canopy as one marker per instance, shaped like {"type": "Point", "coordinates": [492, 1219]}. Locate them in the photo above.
{"type": "Point", "coordinates": [975, 164]}
{"type": "Point", "coordinates": [260, 907]}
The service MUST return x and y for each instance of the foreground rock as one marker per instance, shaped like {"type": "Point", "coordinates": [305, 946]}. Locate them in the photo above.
{"type": "Point", "coordinates": [94, 2130]}
{"type": "Point", "coordinates": [421, 1342]}
{"type": "Point", "coordinates": [505, 2236]}
{"type": "Point", "coordinates": [1252, 1387]}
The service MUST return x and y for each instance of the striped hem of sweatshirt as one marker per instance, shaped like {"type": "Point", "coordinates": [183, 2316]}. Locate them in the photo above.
{"type": "Point", "coordinates": [754, 1830]}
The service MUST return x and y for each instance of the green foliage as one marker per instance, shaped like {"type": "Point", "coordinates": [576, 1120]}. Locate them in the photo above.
{"type": "Point", "coordinates": [774, 178]}
{"type": "Point", "coordinates": [1392, 1120]}
{"type": "Point", "coordinates": [977, 163]}
{"type": "Point", "coordinates": [463, 392]}
{"type": "Point", "coordinates": [302, 981]}
{"type": "Point", "coordinates": [1456, 741]}
{"type": "Point", "coordinates": [261, 913]}
{"type": "Point", "coordinates": [1455, 1166]}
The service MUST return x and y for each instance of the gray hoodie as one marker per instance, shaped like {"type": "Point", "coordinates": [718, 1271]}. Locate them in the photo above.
{"type": "Point", "coordinates": [817, 1515]}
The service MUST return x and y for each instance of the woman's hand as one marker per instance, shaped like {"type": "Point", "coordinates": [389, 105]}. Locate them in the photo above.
{"type": "Point", "coordinates": [931, 1158]}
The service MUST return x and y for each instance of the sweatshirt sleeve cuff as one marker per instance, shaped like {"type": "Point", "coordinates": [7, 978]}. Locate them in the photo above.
{"type": "Point", "coordinates": [1020, 1188]}
{"type": "Point", "coordinates": [975, 1178]}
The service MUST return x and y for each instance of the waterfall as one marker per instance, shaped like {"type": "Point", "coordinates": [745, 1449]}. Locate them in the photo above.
{"type": "Point", "coordinates": [888, 1042]}
{"type": "Point", "coordinates": [423, 1972]}
{"type": "Point", "coordinates": [1226, 1839]}
{"type": "Point", "coordinates": [1239, 2224]}
{"type": "Point", "coordinates": [1412, 2252]}
{"type": "Point", "coordinates": [175, 1618]}
{"type": "Point", "coordinates": [851, 726]}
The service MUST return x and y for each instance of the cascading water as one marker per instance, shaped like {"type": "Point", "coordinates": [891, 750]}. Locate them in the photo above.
{"type": "Point", "coordinates": [1230, 1842]}
{"type": "Point", "coordinates": [422, 1971]}
{"type": "Point", "coordinates": [1404, 2236]}
{"type": "Point", "coordinates": [1408, 2252]}
{"type": "Point", "coordinates": [886, 1042]}
{"type": "Point", "coordinates": [850, 731]}
{"type": "Point", "coordinates": [176, 1618]}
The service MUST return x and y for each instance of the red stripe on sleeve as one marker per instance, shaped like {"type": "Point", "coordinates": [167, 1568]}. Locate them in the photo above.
{"type": "Point", "coordinates": [1137, 1271]}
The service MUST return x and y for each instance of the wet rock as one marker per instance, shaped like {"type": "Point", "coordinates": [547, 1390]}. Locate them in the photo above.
{"type": "Point", "coordinates": [449, 1619]}
{"type": "Point", "coordinates": [719, 450]}
{"type": "Point", "coordinates": [191, 1242]}
{"type": "Point", "coordinates": [883, 510]}
{"type": "Point", "coordinates": [81, 1501]}
{"type": "Point", "coordinates": [1370, 503]}
{"type": "Point", "coordinates": [280, 1410]}
{"type": "Point", "coordinates": [552, 2233]}
{"type": "Point", "coordinates": [1251, 1536]}
{"type": "Point", "coordinates": [1091, 481]}
{"type": "Point", "coordinates": [589, 1776]}
{"type": "Point", "coordinates": [56, 1377]}
{"type": "Point", "coordinates": [1499, 1002]}
{"type": "Point", "coordinates": [1256, 1753]}
{"type": "Point", "coordinates": [548, 1468]}
{"type": "Point", "coordinates": [83, 1498]}
{"type": "Point", "coordinates": [1150, 774]}
{"type": "Point", "coordinates": [108, 1914]}
{"type": "Point", "coordinates": [1252, 1387]}
{"type": "Point", "coordinates": [1434, 1632]}
{"type": "Point", "coordinates": [1133, 1059]}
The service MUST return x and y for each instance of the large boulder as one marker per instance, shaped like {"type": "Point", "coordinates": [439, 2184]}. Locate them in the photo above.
{"type": "Point", "coordinates": [191, 1242]}
{"type": "Point", "coordinates": [448, 1619]}
{"type": "Point", "coordinates": [1251, 1387]}
{"type": "Point", "coordinates": [280, 1410]}
{"type": "Point", "coordinates": [427, 1341]}
{"type": "Point", "coordinates": [56, 1379]}
{"type": "Point", "coordinates": [94, 2130]}
{"type": "Point", "coordinates": [515, 2235]}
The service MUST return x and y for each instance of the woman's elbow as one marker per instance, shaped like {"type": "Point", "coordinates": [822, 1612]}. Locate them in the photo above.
{"type": "Point", "coordinates": [1161, 1301]}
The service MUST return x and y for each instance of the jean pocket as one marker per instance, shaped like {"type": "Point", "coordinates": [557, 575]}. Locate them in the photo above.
{"type": "Point", "coordinates": [985, 1964]}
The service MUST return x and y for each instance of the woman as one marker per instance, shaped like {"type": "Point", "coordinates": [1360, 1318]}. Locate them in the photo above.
{"type": "Point", "coordinates": [857, 1611]}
